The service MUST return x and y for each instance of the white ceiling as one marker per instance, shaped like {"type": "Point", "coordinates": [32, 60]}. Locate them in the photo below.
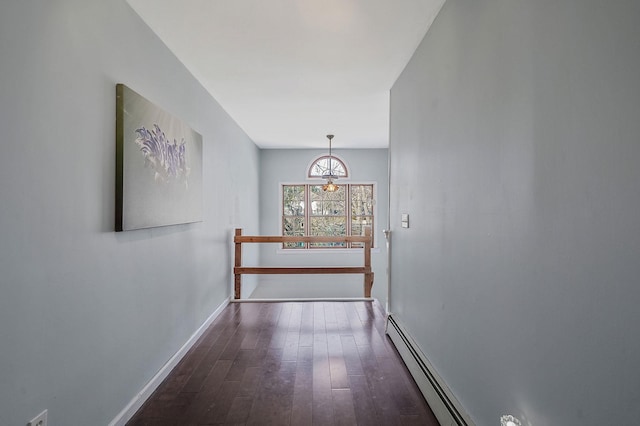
{"type": "Point", "coordinates": [291, 71]}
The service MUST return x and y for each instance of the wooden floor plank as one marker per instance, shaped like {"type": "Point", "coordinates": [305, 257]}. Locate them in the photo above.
{"type": "Point", "coordinates": [182, 373]}
{"type": "Point", "coordinates": [363, 403]}
{"type": "Point", "coordinates": [253, 328]}
{"type": "Point", "coordinates": [280, 333]}
{"type": "Point", "coordinates": [342, 321]}
{"type": "Point", "coordinates": [292, 338]}
{"type": "Point", "coordinates": [202, 400]}
{"type": "Point", "coordinates": [240, 364]}
{"type": "Point", "coordinates": [337, 364]}
{"type": "Point", "coordinates": [274, 398]}
{"type": "Point", "coordinates": [379, 386]}
{"type": "Point", "coordinates": [330, 318]}
{"type": "Point", "coordinates": [302, 410]}
{"type": "Point", "coordinates": [233, 345]}
{"type": "Point", "coordinates": [293, 363]}
{"type": "Point", "coordinates": [239, 410]}
{"type": "Point", "coordinates": [351, 355]}
{"type": "Point", "coordinates": [220, 404]}
{"type": "Point", "coordinates": [267, 329]}
{"type": "Point", "coordinates": [249, 382]}
{"type": "Point", "coordinates": [204, 367]}
{"type": "Point", "coordinates": [306, 325]}
{"type": "Point", "coordinates": [343, 410]}
{"type": "Point", "coordinates": [405, 398]}
{"type": "Point", "coordinates": [322, 397]}
{"type": "Point", "coordinates": [167, 409]}
{"type": "Point", "coordinates": [373, 323]}
{"type": "Point", "coordinates": [357, 330]}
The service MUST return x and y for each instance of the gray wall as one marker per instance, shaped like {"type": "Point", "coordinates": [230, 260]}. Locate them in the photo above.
{"type": "Point", "coordinates": [515, 142]}
{"type": "Point", "coordinates": [290, 166]}
{"type": "Point", "coordinates": [88, 316]}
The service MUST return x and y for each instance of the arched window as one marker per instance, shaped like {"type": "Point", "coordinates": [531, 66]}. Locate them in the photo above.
{"type": "Point", "coordinates": [320, 167]}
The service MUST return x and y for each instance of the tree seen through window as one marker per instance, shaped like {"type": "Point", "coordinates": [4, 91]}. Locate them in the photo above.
{"type": "Point", "coordinates": [308, 210]}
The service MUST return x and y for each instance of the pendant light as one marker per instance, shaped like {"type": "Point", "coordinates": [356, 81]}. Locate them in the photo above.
{"type": "Point", "coordinates": [330, 176]}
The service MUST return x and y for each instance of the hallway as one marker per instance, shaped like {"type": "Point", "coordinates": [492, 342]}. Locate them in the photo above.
{"type": "Point", "coordinates": [290, 363]}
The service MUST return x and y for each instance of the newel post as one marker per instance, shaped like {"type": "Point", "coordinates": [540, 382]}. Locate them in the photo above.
{"type": "Point", "coordinates": [368, 275]}
{"type": "Point", "coordinates": [237, 279]}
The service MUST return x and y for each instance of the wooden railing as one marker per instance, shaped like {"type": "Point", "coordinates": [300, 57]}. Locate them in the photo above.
{"type": "Point", "coordinates": [239, 270]}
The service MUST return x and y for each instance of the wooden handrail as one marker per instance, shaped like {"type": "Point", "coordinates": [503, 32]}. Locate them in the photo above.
{"type": "Point", "coordinates": [239, 270]}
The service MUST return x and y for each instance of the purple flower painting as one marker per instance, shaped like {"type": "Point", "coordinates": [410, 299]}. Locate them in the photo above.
{"type": "Point", "coordinates": [166, 158]}
{"type": "Point", "coordinates": [158, 165]}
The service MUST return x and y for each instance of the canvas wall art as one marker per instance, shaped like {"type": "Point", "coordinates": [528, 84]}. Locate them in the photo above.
{"type": "Point", "coordinates": [158, 165]}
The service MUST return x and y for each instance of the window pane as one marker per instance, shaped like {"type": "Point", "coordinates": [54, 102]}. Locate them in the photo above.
{"type": "Point", "coordinates": [328, 226]}
{"type": "Point", "coordinates": [362, 200]}
{"type": "Point", "coordinates": [327, 203]}
{"type": "Point", "coordinates": [327, 208]}
{"type": "Point", "coordinates": [361, 210]}
{"type": "Point", "coordinates": [293, 200]}
{"type": "Point", "coordinates": [357, 224]}
{"type": "Point", "coordinates": [293, 226]}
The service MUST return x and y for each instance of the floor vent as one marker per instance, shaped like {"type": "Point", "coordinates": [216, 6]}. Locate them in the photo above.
{"type": "Point", "coordinates": [442, 402]}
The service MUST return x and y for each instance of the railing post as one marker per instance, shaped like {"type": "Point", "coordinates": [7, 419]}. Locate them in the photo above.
{"type": "Point", "coordinates": [368, 276]}
{"type": "Point", "coordinates": [237, 279]}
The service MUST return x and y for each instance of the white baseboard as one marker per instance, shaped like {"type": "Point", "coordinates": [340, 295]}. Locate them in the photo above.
{"type": "Point", "coordinates": [134, 405]}
{"type": "Point", "coordinates": [443, 403]}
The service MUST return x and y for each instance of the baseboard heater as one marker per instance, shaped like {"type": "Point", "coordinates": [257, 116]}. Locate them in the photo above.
{"type": "Point", "coordinates": [444, 405]}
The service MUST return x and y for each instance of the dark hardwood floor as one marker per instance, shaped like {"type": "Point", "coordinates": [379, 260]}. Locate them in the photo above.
{"type": "Point", "coordinates": [290, 363]}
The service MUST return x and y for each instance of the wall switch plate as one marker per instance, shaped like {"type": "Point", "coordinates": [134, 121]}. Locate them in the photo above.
{"type": "Point", "coordinates": [405, 220]}
{"type": "Point", "coordinates": [39, 420]}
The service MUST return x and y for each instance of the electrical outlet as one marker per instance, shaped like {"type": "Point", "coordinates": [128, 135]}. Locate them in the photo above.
{"type": "Point", "coordinates": [39, 420]}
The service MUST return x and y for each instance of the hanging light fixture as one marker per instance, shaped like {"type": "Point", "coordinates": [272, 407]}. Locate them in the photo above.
{"type": "Point", "coordinates": [329, 175]}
